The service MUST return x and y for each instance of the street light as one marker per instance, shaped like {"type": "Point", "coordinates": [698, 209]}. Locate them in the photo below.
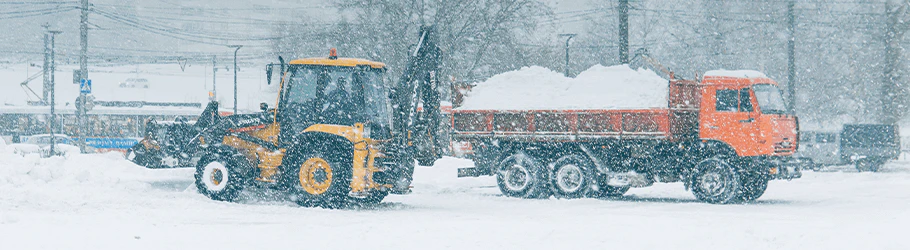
{"type": "Point", "coordinates": [568, 37]}
{"type": "Point", "coordinates": [236, 48]}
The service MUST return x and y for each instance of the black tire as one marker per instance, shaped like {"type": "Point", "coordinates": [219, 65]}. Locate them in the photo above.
{"type": "Point", "coordinates": [716, 181]}
{"type": "Point", "coordinates": [326, 180]}
{"type": "Point", "coordinates": [753, 186]}
{"type": "Point", "coordinates": [870, 165]}
{"type": "Point", "coordinates": [522, 176]}
{"type": "Point", "coordinates": [222, 176]}
{"type": "Point", "coordinates": [572, 177]}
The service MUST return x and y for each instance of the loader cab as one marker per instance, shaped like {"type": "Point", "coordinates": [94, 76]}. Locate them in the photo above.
{"type": "Point", "coordinates": [745, 110]}
{"type": "Point", "coordinates": [336, 91]}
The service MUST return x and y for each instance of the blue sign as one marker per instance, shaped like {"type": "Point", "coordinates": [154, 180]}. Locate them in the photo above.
{"type": "Point", "coordinates": [85, 86]}
{"type": "Point", "coordinates": [111, 143]}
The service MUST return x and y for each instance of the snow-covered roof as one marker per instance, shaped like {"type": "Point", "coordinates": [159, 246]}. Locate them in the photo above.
{"type": "Point", "coordinates": [736, 73]}
{"type": "Point", "coordinates": [599, 87]}
{"type": "Point", "coordinates": [148, 110]}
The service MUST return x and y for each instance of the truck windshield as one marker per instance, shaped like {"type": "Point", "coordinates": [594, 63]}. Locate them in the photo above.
{"type": "Point", "coordinates": [769, 98]}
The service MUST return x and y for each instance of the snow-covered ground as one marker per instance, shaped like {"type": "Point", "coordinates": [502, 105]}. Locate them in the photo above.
{"type": "Point", "coordinates": [105, 202]}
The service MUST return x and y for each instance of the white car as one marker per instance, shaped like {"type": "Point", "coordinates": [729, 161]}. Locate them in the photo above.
{"type": "Point", "coordinates": [135, 83]}
{"type": "Point", "coordinates": [42, 144]}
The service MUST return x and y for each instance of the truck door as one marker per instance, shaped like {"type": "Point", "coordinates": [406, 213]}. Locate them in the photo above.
{"type": "Point", "coordinates": [732, 119]}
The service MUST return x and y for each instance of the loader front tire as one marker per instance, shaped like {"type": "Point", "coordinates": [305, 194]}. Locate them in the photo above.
{"type": "Point", "coordinates": [221, 177]}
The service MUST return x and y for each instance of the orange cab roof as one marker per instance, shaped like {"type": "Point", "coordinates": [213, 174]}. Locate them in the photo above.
{"type": "Point", "coordinates": [342, 62]}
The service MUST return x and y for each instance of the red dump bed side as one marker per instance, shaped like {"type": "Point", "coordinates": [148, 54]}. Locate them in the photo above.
{"type": "Point", "coordinates": [563, 125]}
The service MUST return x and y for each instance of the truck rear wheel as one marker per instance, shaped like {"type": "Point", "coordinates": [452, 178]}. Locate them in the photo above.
{"type": "Point", "coordinates": [221, 177]}
{"type": "Point", "coordinates": [716, 181]}
{"type": "Point", "coordinates": [522, 176]}
{"type": "Point", "coordinates": [572, 177]}
{"type": "Point", "coordinates": [319, 177]}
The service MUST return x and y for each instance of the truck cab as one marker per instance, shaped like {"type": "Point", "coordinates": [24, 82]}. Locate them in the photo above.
{"type": "Point", "coordinates": [746, 111]}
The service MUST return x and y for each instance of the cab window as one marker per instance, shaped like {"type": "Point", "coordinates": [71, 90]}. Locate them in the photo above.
{"type": "Point", "coordinates": [727, 100]}
{"type": "Point", "coordinates": [733, 100]}
{"type": "Point", "coordinates": [745, 100]}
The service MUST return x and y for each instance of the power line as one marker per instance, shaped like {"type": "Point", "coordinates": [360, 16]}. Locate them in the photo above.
{"type": "Point", "coordinates": [36, 14]}
{"type": "Point", "coordinates": [174, 33]}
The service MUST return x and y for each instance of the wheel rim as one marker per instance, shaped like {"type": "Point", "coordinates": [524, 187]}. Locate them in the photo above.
{"type": "Point", "coordinates": [569, 178]}
{"type": "Point", "coordinates": [713, 183]}
{"type": "Point", "coordinates": [215, 176]}
{"type": "Point", "coordinates": [316, 176]}
{"type": "Point", "coordinates": [517, 177]}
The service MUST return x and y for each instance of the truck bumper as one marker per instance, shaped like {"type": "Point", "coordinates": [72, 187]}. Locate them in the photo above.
{"type": "Point", "coordinates": [785, 169]}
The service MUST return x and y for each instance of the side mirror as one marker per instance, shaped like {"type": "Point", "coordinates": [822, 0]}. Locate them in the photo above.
{"type": "Point", "coordinates": [264, 107]}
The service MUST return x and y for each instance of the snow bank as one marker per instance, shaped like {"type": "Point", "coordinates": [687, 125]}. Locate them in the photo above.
{"type": "Point", "coordinates": [600, 87]}
{"type": "Point", "coordinates": [74, 179]}
{"type": "Point", "coordinates": [736, 73]}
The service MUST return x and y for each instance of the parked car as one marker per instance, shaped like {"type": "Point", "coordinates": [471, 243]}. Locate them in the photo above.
{"type": "Point", "coordinates": [818, 149]}
{"type": "Point", "coordinates": [869, 146]}
{"type": "Point", "coordinates": [135, 83]}
{"type": "Point", "coordinates": [42, 144]}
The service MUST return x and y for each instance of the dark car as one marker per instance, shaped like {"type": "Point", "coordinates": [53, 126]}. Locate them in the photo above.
{"type": "Point", "coordinates": [869, 146]}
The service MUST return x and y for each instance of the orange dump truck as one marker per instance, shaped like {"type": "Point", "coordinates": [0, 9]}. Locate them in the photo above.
{"type": "Point", "coordinates": [725, 137]}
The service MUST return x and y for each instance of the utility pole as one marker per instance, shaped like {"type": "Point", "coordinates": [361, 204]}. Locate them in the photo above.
{"type": "Point", "coordinates": [236, 48]}
{"type": "Point", "coordinates": [214, 89]}
{"type": "Point", "coordinates": [45, 90]}
{"type": "Point", "coordinates": [52, 69]}
{"type": "Point", "coordinates": [624, 31]}
{"type": "Point", "coordinates": [791, 57]}
{"type": "Point", "coordinates": [568, 38]}
{"type": "Point", "coordinates": [83, 71]}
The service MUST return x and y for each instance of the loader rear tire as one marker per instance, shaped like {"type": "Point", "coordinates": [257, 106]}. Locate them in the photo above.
{"type": "Point", "coordinates": [221, 177]}
{"type": "Point", "coordinates": [522, 176]}
{"type": "Point", "coordinates": [319, 177]}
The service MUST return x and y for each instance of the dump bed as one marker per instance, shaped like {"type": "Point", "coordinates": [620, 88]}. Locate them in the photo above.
{"type": "Point", "coordinates": [676, 119]}
{"type": "Point", "coordinates": [573, 125]}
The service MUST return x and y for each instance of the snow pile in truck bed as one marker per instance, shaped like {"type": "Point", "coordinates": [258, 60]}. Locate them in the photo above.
{"type": "Point", "coordinates": [599, 87]}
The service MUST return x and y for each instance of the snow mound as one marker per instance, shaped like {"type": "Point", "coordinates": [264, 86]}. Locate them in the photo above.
{"type": "Point", "coordinates": [74, 179]}
{"type": "Point", "coordinates": [599, 87]}
{"type": "Point", "coordinates": [736, 73]}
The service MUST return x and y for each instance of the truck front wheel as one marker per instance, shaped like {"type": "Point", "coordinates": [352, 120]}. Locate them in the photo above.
{"type": "Point", "coordinates": [522, 176]}
{"type": "Point", "coordinates": [716, 181]}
